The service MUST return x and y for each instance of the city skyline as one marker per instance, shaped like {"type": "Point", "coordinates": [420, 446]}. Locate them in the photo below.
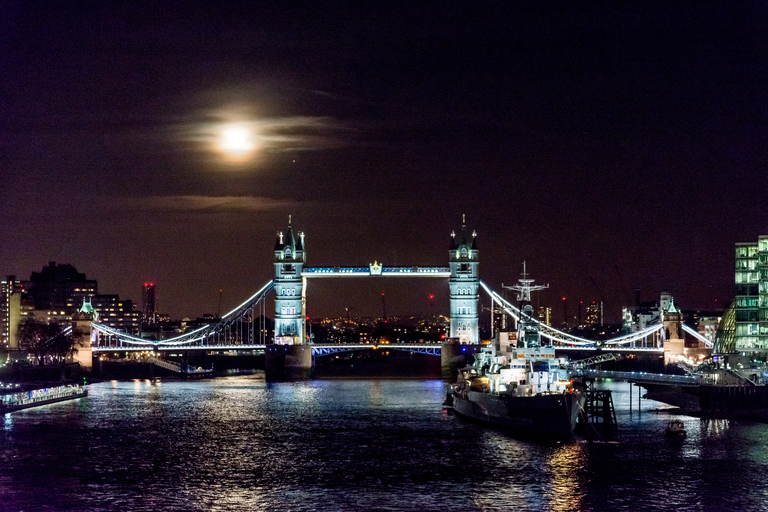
{"type": "Point", "coordinates": [610, 148]}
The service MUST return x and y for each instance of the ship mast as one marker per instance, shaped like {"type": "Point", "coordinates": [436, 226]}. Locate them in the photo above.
{"type": "Point", "coordinates": [525, 287]}
{"type": "Point", "coordinates": [528, 330]}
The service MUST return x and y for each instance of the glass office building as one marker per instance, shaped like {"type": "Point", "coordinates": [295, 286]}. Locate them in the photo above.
{"type": "Point", "coordinates": [751, 298]}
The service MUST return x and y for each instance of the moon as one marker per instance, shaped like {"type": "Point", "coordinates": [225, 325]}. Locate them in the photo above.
{"type": "Point", "coordinates": [236, 142]}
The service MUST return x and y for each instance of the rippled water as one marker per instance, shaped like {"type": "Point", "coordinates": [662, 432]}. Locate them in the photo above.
{"type": "Point", "coordinates": [242, 444]}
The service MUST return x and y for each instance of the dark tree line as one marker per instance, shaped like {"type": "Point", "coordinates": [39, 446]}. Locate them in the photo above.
{"type": "Point", "coordinates": [46, 339]}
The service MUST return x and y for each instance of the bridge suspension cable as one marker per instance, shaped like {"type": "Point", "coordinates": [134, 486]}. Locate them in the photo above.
{"type": "Point", "coordinates": [207, 332]}
{"type": "Point", "coordinates": [698, 336]}
{"type": "Point", "coordinates": [562, 337]}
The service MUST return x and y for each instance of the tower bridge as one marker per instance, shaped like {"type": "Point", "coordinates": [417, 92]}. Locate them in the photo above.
{"type": "Point", "coordinates": [288, 347]}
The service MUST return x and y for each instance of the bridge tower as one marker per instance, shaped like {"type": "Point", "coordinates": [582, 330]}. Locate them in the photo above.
{"type": "Point", "coordinates": [289, 262]}
{"type": "Point", "coordinates": [463, 283]}
{"type": "Point", "coordinates": [673, 336]}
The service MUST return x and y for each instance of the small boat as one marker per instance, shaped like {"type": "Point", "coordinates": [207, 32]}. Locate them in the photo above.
{"type": "Point", "coordinates": [675, 428]}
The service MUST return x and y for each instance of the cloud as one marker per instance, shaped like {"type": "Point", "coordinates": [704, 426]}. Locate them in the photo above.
{"type": "Point", "coordinates": [275, 134]}
{"type": "Point", "coordinates": [204, 204]}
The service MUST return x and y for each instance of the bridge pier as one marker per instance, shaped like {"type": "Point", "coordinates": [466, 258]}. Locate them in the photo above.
{"type": "Point", "coordinates": [288, 362]}
{"type": "Point", "coordinates": [454, 356]}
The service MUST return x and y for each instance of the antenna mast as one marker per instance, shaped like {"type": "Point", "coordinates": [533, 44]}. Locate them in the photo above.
{"type": "Point", "coordinates": [525, 287]}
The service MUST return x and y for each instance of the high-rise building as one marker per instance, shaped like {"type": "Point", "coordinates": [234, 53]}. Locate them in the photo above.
{"type": "Point", "coordinates": [545, 315]}
{"type": "Point", "coordinates": [751, 297]}
{"type": "Point", "coordinates": [59, 287]}
{"type": "Point", "coordinates": [10, 311]}
{"type": "Point", "coordinates": [149, 310]}
{"type": "Point", "coordinates": [501, 320]}
{"type": "Point", "coordinates": [593, 314]}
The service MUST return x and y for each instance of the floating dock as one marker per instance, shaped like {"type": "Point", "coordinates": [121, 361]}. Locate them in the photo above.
{"type": "Point", "coordinates": [10, 402]}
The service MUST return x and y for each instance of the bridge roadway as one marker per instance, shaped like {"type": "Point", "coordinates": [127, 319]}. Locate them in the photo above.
{"type": "Point", "coordinates": [376, 270]}
{"type": "Point", "coordinates": [330, 348]}
{"type": "Point", "coordinates": [317, 349]}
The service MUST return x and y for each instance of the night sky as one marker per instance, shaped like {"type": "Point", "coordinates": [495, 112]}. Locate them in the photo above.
{"type": "Point", "coordinates": [610, 146]}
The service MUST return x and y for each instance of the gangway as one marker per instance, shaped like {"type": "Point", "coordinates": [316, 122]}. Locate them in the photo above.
{"type": "Point", "coordinates": [177, 368]}
{"type": "Point", "coordinates": [600, 358]}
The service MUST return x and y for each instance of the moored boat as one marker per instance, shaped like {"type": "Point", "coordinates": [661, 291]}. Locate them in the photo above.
{"type": "Point", "coordinates": [519, 384]}
{"type": "Point", "coordinates": [675, 428]}
{"type": "Point", "coordinates": [15, 401]}
{"type": "Point", "coordinates": [528, 396]}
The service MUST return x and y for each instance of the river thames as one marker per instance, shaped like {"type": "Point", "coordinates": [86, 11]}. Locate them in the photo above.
{"type": "Point", "coordinates": [239, 443]}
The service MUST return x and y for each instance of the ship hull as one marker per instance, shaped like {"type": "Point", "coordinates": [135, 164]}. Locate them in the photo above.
{"type": "Point", "coordinates": [540, 415]}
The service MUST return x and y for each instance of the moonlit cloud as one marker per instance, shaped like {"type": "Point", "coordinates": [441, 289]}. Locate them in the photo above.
{"type": "Point", "coordinates": [204, 204]}
{"type": "Point", "coordinates": [273, 134]}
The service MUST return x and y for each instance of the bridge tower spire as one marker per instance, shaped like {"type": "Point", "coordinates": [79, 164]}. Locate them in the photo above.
{"type": "Point", "coordinates": [463, 282]}
{"type": "Point", "coordinates": [289, 261]}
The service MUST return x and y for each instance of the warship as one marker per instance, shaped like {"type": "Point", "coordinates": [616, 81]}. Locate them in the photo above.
{"type": "Point", "coordinates": [517, 382]}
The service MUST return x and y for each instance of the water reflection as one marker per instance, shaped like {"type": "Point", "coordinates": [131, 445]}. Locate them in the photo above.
{"type": "Point", "coordinates": [713, 428]}
{"type": "Point", "coordinates": [242, 444]}
{"type": "Point", "coordinates": [374, 394]}
{"type": "Point", "coordinates": [563, 465]}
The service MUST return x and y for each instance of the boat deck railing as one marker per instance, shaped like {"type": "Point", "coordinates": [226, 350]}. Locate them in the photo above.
{"type": "Point", "coordinates": [41, 395]}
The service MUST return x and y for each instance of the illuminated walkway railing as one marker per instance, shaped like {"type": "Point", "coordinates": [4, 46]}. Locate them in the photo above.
{"type": "Point", "coordinates": [432, 349]}
{"type": "Point", "coordinates": [314, 272]}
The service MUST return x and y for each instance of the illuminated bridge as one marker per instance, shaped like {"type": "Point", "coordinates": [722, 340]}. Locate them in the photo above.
{"type": "Point", "coordinates": [241, 330]}
{"type": "Point", "coordinates": [244, 329]}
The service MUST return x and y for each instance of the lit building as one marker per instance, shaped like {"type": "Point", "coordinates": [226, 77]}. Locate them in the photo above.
{"type": "Point", "coordinates": [10, 311]}
{"type": "Point", "coordinates": [55, 294]}
{"type": "Point", "coordinates": [545, 315]}
{"type": "Point", "coordinates": [751, 297]}
{"type": "Point", "coordinates": [59, 287]}
{"type": "Point", "coordinates": [642, 314]}
{"type": "Point", "coordinates": [51, 295]}
{"type": "Point", "coordinates": [500, 319]}
{"type": "Point", "coordinates": [116, 313]}
{"type": "Point", "coordinates": [149, 310]}
{"type": "Point", "coordinates": [593, 317]}
{"type": "Point", "coordinates": [707, 326]}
